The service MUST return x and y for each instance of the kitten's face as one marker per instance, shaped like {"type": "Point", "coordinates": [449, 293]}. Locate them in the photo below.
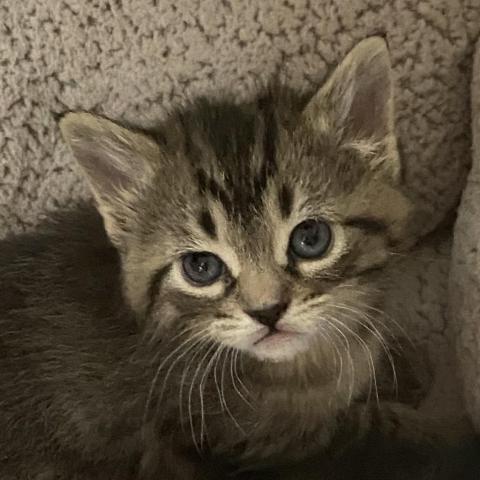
{"type": "Point", "coordinates": [266, 270]}
{"type": "Point", "coordinates": [263, 227]}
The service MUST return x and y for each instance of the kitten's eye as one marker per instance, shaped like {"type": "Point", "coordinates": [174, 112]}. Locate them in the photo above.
{"type": "Point", "coordinates": [202, 268]}
{"type": "Point", "coordinates": [310, 239]}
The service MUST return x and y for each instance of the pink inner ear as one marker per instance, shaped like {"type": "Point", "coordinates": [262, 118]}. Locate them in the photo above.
{"type": "Point", "coordinates": [357, 98]}
{"type": "Point", "coordinates": [369, 111]}
{"type": "Point", "coordinates": [103, 174]}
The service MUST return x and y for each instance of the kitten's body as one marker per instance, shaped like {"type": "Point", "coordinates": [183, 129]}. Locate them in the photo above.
{"type": "Point", "coordinates": [118, 361]}
{"type": "Point", "coordinates": [64, 337]}
{"type": "Point", "coordinates": [73, 392]}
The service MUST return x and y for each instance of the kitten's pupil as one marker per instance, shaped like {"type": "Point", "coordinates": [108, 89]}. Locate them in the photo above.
{"type": "Point", "coordinates": [202, 268]}
{"type": "Point", "coordinates": [310, 239]}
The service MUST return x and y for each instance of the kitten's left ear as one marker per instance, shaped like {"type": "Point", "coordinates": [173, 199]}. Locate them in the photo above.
{"type": "Point", "coordinates": [356, 103]}
{"type": "Point", "coordinates": [117, 162]}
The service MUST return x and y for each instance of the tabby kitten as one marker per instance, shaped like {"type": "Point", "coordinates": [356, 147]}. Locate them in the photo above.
{"type": "Point", "coordinates": [233, 314]}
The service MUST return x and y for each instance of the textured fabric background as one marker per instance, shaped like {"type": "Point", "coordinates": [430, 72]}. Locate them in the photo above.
{"type": "Point", "coordinates": [135, 58]}
{"type": "Point", "coordinates": [465, 278]}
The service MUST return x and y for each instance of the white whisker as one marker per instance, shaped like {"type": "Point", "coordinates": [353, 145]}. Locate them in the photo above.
{"type": "Point", "coordinates": [215, 377]}
{"type": "Point", "coordinates": [350, 359]}
{"type": "Point", "coordinates": [193, 339]}
{"type": "Point", "coordinates": [186, 369]}
{"type": "Point", "coordinates": [367, 351]}
{"type": "Point", "coordinates": [234, 374]}
{"type": "Point", "coordinates": [222, 383]}
{"type": "Point", "coordinates": [370, 326]}
{"type": "Point", "coordinates": [190, 395]}
{"type": "Point", "coordinates": [201, 392]}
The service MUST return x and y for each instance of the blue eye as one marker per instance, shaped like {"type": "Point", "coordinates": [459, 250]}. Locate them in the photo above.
{"type": "Point", "coordinates": [310, 239]}
{"type": "Point", "coordinates": [202, 268]}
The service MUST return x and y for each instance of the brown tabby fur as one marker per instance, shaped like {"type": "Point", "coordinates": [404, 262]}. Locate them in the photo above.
{"type": "Point", "coordinates": [112, 366]}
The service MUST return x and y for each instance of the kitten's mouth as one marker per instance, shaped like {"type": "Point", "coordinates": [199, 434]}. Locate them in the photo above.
{"type": "Point", "coordinates": [274, 336]}
{"type": "Point", "coordinates": [278, 345]}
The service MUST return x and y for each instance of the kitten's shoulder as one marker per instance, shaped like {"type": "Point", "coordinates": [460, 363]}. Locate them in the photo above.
{"type": "Point", "coordinates": [66, 253]}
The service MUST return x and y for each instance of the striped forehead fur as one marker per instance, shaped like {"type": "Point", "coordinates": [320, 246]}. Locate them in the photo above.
{"type": "Point", "coordinates": [232, 149]}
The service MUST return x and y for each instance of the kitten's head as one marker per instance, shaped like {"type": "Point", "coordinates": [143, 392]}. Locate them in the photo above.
{"type": "Point", "coordinates": [263, 226]}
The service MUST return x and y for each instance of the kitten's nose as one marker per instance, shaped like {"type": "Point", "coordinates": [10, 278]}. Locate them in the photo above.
{"type": "Point", "coordinates": [269, 315]}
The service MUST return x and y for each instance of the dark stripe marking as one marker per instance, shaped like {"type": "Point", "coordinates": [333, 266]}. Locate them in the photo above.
{"type": "Point", "coordinates": [219, 192]}
{"type": "Point", "coordinates": [154, 287]}
{"type": "Point", "coordinates": [230, 285]}
{"type": "Point", "coordinates": [291, 266]}
{"type": "Point", "coordinates": [370, 269]}
{"type": "Point", "coordinates": [202, 181]}
{"type": "Point", "coordinates": [269, 141]}
{"type": "Point", "coordinates": [285, 200]}
{"type": "Point", "coordinates": [206, 222]}
{"type": "Point", "coordinates": [368, 224]}
{"type": "Point", "coordinates": [270, 134]}
{"type": "Point", "coordinates": [213, 187]}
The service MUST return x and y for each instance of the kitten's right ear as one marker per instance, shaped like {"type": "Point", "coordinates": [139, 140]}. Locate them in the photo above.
{"type": "Point", "coordinates": [116, 161]}
{"type": "Point", "coordinates": [356, 103]}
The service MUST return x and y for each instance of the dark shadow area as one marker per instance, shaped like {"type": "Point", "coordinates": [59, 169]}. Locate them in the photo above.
{"type": "Point", "coordinates": [375, 459]}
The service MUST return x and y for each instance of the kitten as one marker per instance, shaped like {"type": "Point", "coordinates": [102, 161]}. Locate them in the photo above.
{"type": "Point", "coordinates": [229, 299]}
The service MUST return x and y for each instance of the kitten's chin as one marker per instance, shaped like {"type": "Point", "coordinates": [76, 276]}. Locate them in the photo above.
{"type": "Point", "coordinates": [279, 346]}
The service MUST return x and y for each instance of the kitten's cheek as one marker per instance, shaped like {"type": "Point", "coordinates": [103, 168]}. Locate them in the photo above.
{"type": "Point", "coordinates": [165, 316]}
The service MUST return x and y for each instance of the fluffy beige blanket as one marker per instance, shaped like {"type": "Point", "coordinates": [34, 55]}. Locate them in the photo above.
{"type": "Point", "coordinates": [135, 58]}
{"type": "Point", "coordinates": [464, 304]}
